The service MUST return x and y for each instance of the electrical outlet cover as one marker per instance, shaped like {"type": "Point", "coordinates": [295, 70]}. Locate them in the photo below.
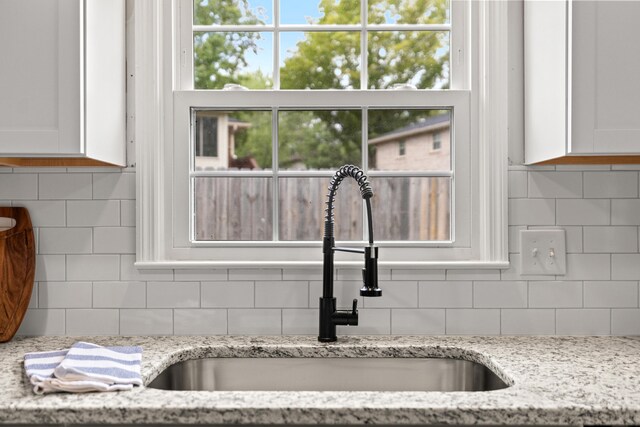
{"type": "Point", "coordinates": [543, 252]}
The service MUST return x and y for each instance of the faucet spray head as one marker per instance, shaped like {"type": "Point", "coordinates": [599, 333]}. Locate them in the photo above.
{"type": "Point", "coordinates": [370, 273]}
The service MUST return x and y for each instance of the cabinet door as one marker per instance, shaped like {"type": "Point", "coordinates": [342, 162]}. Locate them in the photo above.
{"type": "Point", "coordinates": [40, 86]}
{"type": "Point", "coordinates": [606, 77]}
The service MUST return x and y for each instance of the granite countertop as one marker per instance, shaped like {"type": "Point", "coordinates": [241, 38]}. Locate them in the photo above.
{"type": "Point", "coordinates": [554, 380]}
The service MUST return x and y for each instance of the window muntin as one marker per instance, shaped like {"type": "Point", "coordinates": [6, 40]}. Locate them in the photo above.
{"type": "Point", "coordinates": [321, 44]}
{"type": "Point", "coordinates": [406, 177]}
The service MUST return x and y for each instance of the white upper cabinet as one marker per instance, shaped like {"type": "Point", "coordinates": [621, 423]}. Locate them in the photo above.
{"type": "Point", "coordinates": [62, 82]}
{"type": "Point", "coordinates": [582, 81]}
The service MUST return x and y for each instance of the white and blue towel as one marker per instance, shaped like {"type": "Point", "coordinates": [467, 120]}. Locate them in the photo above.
{"type": "Point", "coordinates": [84, 367]}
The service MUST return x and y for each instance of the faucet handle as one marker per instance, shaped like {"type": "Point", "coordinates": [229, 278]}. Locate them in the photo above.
{"type": "Point", "coordinates": [354, 308]}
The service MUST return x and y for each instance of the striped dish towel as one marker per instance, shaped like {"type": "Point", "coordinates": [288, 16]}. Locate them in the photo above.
{"type": "Point", "coordinates": [85, 367]}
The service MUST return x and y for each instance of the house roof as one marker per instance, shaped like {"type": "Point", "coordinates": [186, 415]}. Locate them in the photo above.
{"type": "Point", "coordinates": [430, 123]}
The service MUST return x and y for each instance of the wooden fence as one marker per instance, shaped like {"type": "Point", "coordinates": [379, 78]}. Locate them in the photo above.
{"type": "Point", "coordinates": [241, 209]}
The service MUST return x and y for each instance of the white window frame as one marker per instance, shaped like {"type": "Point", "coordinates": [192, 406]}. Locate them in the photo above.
{"type": "Point", "coordinates": [162, 119]}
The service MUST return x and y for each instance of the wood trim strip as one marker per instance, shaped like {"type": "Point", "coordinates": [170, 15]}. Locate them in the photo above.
{"type": "Point", "coordinates": [592, 160]}
{"type": "Point", "coordinates": [17, 162]}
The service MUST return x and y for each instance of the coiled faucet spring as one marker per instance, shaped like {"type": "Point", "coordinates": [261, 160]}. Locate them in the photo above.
{"type": "Point", "coordinates": [365, 190]}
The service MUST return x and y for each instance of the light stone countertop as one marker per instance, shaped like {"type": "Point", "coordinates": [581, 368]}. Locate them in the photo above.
{"type": "Point", "coordinates": [554, 380]}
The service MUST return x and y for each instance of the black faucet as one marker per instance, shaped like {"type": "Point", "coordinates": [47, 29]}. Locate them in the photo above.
{"type": "Point", "coordinates": [329, 316]}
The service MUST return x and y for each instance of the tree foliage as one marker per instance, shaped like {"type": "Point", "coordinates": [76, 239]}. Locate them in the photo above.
{"type": "Point", "coordinates": [327, 60]}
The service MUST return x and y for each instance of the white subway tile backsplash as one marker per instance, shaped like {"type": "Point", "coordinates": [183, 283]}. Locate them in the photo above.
{"type": "Point", "coordinates": [255, 321]}
{"type": "Point", "coordinates": [65, 240]}
{"type": "Point", "coordinates": [418, 321]}
{"type": "Point", "coordinates": [300, 321]}
{"type": "Point", "coordinates": [201, 275]}
{"type": "Point", "coordinates": [255, 274]}
{"type": "Point", "coordinates": [64, 295]}
{"type": "Point", "coordinates": [625, 212]}
{"type": "Point", "coordinates": [228, 294]}
{"type": "Point", "coordinates": [302, 274]}
{"type": "Point", "coordinates": [33, 300]}
{"type": "Point", "coordinates": [127, 213]}
{"type": "Point", "coordinates": [45, 213]}
{"type": "Point", "coordinates": [119, 294]}
{"type": "Point", "coordinates": [173, 294]}
{"type": "Point", "coordinates": [471, 274]}
{"type": "Point", "coordinates": [64, 186]}
{"type": "Point", "coordinates": [282, 294]}
{"type": "Point", "coordinates": [89, 322]}
{"type": "Point", "coordinates": [625, 266]}
{"type": "Point", "coordinates": [116, 186]}
{"type": "Point", "coordinates": [395, 295]}
{"type": "Point", "coordinates": [114, 240]}
{"type": "Point", "coordinates": [555, 185]}
{"type": "Point", "coordinates": [373, 321]}
{"type": "Point", "coordinates": [588, 267]}
{"type": "Point", "coordinates": [611, 239]}
{"type": "Point", "coordinates": [93, 213]}
{"type": "Point", "coordinates": [19, 186]}
{"type": "Point", "coordinates": [415, 274]}
{"type": "Point", "coordinates": [356, 274]}
{"type": "Point", "coordinates": [583, 212]}
{"type": "Point", "coordinates": [533, 321]}
{"type": "Point", "coordinates": [588, 321]}
{"type": "Point", "coordinates": [625, 321]}
{"type": "Point", "coordinates": [482, 321]}
{"type": "Point", "coordinates": [610, 184]}
{"type": "Point", "coordinates": [203, 321]}
{"type": "Point", "coordinates": [518, 184]}
{"type": "Point", "coordinates": [502, 294]}
{"type": "Point", "coordinates": [157, 321]}
{"type": "Point", "coordinates": [514, 237]}
{"type": "Point", "coordinates": [555, 294]}
{"type": "Point", "coordinates": [610, 294]}
{"type": "Point", "coordinates": [93, 267]}
{"type": "Point", "coordinates": [454, 294]}
{"type": "Point", "coordinates": [50, 268]}
{"type": "Point", "coordinates": [532, 212]}
{"type": "Point", "coordinates": [128, 272]}
{"type": "Point", "coordinates": [87, 269]}
{"type": "Point", "coordinates": [42, 322]}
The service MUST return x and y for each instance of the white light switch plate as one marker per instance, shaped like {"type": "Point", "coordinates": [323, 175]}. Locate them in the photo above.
{"type": "Point", "coordinates": [543, 252]}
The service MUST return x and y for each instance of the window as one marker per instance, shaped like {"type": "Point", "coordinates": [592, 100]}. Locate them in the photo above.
{"type": "Point", "coordinates": [402, 148]}
{"type": "Point", "coordinates": [437, 141]}
{"type": "Point", "coordinates": [268, 98]}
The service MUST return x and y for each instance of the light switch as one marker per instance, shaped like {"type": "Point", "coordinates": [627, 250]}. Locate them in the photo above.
{"type": "Point", "coordinates": [543, 252]}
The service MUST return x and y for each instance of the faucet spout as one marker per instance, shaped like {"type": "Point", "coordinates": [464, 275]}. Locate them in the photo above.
{"type": "Point", "coordinates": [329, 315]}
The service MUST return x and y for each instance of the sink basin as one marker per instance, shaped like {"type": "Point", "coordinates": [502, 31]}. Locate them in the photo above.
{"type": "Point", "coordinates": [328, 374]}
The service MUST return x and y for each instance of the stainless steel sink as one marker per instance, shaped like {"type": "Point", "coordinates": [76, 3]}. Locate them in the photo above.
{"type": "Point", "coordinates": [328, 374]}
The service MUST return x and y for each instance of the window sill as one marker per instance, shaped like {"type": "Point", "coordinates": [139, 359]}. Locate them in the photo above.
{"type": "Point", "coordinates": [427, 265]}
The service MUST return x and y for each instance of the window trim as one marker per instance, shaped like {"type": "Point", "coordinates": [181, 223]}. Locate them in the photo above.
{"type": "Point", "coordinates": [154, 129]}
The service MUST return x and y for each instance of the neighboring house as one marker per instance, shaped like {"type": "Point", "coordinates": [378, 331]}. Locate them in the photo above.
{"type": "Point", "coordinates": [424, 145]}
{"type": "Point", "coordinates": [215, 142]}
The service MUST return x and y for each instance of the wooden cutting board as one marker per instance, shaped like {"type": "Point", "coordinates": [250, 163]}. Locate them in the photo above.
{"type": "Point", "coordinates": [17, 270]}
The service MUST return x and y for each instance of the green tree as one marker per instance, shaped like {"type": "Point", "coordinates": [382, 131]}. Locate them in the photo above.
{"type": "Point", "coordinates": [220, 57]}
{"type": "Point", "coordinates": [326, 60]}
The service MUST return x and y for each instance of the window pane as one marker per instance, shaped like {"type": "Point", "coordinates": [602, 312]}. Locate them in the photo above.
{"type": "Point", "coordinates": [419, 58]}
{"type": "Point", "coordinates": [232, 140]}
{"type": "Point", "coordinates": [409, 12]}
{"type": "Point", "coordinates": [320, 60]}
{"type": "Point", "coordinates": [319, 139]}
{"type": "Point", "coordinates": [233, 208]}
{"type": "Point", "coordinates": [244, 58]}
{"type": "Point", "coordinates": [302, 204]}
{"type": "Point", "coordinates": [320, 12]}
{"type": "Point", "coordinates": [411, 208]}
{"type": "Point", "coordinates": [229, 12]}
{"type": "Point", "coordinates": [407, 140]}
